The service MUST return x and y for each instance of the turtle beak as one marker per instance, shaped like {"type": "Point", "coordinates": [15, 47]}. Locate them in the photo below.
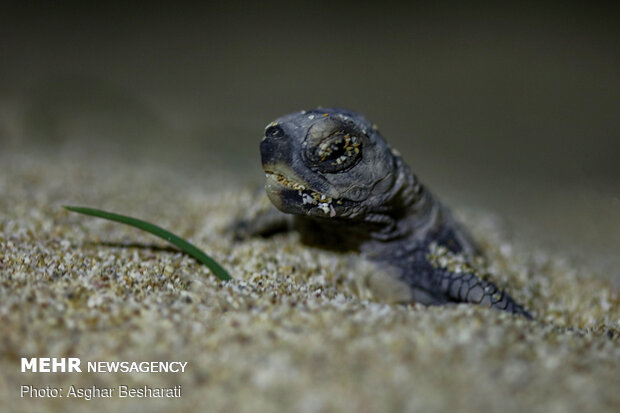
{"type": "Point", "coordinates": [275, 150]}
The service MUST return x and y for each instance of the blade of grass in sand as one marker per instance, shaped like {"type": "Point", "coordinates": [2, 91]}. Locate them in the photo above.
{"type": "Point", "coordinates": [175, 240]}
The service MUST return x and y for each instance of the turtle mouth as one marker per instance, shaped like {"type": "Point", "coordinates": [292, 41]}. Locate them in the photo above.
{"type": "Point", "coordinates": [283, 186]}
{"type": "Point", "coordinates": [284, 181]}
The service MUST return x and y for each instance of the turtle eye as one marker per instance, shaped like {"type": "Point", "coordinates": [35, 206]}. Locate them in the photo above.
{"type": "Point", "coordinates": [337, 152]}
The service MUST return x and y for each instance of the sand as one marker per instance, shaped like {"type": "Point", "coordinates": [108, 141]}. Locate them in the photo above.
{"type": "Point", "coordinates": [297, 330]}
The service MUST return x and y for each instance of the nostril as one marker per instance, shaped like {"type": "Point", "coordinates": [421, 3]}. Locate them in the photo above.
{"type": "Point", "coordinates": [274, 131]}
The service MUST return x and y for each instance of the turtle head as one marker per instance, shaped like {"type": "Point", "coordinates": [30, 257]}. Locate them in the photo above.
{"type": "Point", "coordinates": [329, 163]}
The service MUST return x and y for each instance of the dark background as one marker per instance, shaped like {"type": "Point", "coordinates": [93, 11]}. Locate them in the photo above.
{"type": "Point", "coordinates": [510, 108]}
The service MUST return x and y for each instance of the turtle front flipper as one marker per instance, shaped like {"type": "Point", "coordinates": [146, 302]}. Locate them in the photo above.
{"type": "Point", "coordinates": [440, 276]}
{"type": "Point", "coordinates": [262, 219]}
{"type": "Point", "coordinates": [470, 288]}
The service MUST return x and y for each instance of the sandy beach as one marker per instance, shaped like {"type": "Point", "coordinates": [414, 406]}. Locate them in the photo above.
{"type": "Point", "coordinates": [297, 330]}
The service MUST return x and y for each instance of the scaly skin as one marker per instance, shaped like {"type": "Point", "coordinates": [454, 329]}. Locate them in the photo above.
{"type": "Point", "coordinates": [349, 190]}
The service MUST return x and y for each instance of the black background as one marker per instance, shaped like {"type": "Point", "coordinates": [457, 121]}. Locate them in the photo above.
{"type": "Point", "coordinates": [508, 106]}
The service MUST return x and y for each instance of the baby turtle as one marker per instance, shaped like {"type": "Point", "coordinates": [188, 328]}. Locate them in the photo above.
{"type": "Point", "coordinates": [347, 189]}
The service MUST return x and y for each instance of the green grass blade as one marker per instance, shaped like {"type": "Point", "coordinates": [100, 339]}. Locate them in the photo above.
{"type": "Point", "coordinates": [175, 240]}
